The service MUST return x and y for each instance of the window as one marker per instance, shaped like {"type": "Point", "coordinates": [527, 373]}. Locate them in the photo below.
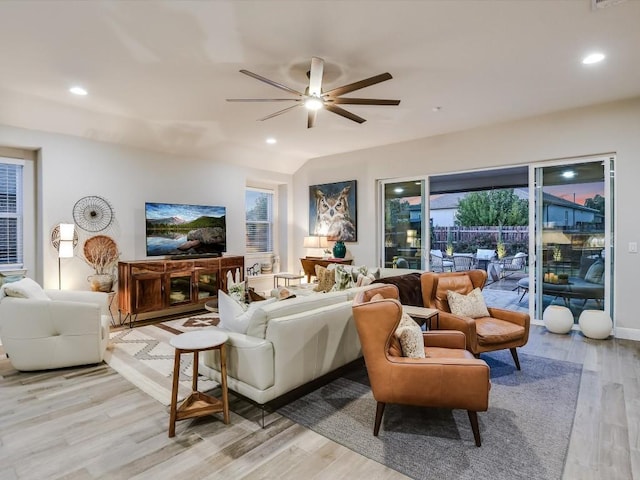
{"type": "Point", "coordinates": [259, 217]}
{"type": "Point", "coordinates": [11, 249]}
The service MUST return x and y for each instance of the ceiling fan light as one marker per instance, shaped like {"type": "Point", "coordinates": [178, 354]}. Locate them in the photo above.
{"type": "Point", "coordinates": [313, 103]}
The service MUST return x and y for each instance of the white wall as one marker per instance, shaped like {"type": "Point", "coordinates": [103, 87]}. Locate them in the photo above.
{"type": "Point", "coordinates": [70, 168]}
{"type": "Point", "coordinates": [608, 128]}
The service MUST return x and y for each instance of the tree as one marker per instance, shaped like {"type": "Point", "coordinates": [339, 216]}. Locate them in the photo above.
{"type": "Point", "coordinates": [597, 203]}
{"type": "Point", "coordinates": [493, 207]}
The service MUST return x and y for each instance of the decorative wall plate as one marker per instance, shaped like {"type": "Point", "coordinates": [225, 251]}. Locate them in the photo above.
{"type": "Point", "coordinates": [93, 213]}
{"type": "Point", "coordinates": [101, 252]}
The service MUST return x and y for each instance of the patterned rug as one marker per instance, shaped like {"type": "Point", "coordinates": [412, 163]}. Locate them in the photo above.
{"type": "Point", "coordinates": [144, 356]}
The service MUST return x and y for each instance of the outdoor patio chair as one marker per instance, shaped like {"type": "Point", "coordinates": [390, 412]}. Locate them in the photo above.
{"type": "Point", "coordinates": [463, 263]}
{"type": "Point", "coordinates": [513, 264]}
{"type": "Point", "coordinates": [438, 263]}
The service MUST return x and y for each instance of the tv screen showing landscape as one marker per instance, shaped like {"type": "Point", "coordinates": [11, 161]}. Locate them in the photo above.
{"type": "Point", "coordinates": [176, 229]}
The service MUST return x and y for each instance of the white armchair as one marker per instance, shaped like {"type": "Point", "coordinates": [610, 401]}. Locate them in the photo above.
{"type": "Point", "coordinates": [69, 328]}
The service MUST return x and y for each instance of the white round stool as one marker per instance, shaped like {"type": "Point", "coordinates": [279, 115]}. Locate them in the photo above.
{"type": "Point", "coordinates": [557, 319]}
{"type": "Point", "coordinates": [595, 324]}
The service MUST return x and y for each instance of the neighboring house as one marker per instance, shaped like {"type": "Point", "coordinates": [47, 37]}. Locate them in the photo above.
{"type": "Point", "coordinates": [558, 212]}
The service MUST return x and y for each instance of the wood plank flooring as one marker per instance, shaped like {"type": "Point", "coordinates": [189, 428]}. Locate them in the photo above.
{"type": "Point", "coordinates": [88, 423]}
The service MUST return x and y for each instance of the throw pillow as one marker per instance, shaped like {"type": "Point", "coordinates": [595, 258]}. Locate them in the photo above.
{"type": "Point", "coordinates": [376, 297]}
{"type": "Point", "coordinates": [364, 280]}
{"type": "Point", "coordinates": [228, 309]}
{"type": "Point", "coordinates": [282, 293]}
{"type": "Point", "coordinates": [235, 316]}
{"type": "Point", "coordinates": [326, 279]}
{"type": "Point", "coordinates": [471, 305]}
{"type": "Point", "coordinates": [240, 323]}
{"type": "Point", "coordinates": [343, 278]}
{"type": "Point", "coordinates": [357, 271]}
{"type": "Point", "coordinates": [410, 336]}
{"type": "Point", "coordinates": [236, 288]}
{"type": "Point", "coordinates": [25, 288]}
{"type": "Point", "coordinates": [595, 274]}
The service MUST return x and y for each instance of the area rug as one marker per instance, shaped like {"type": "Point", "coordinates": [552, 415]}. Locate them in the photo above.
{"type": "Point", "coordinates": [144, 356]}
{"type": "Point", "coordinates": [525, 433]}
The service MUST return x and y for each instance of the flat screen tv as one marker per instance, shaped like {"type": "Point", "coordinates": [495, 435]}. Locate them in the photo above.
{"type": "Point", "coordinates": [177, 229]}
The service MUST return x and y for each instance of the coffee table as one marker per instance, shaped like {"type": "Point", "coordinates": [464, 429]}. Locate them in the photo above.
{"type": "Point", "coordinates": [422, 315]}
{"type": "Point", "coordinates": [197, 403]}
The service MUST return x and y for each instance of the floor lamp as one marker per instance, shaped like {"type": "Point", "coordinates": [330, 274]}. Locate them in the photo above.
{"type": "Point", "coordinates": [65, 244]}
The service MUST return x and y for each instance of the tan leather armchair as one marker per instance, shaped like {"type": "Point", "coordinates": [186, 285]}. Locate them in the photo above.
{"type": "Point", "coordinates": [450, 377]}
{"type": "Point", "coordinates": [503, 329]}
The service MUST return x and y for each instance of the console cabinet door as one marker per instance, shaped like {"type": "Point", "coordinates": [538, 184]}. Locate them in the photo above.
{"type": "Point", "coordinates": [147, 293]}
{"type": "Point", "coordinates": [206, 283]}
{"type": "Point", "coordinates": [180, 286]}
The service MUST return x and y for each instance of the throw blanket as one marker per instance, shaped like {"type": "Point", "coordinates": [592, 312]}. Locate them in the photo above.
{"type": "Point", "coordinates": [408, 286]}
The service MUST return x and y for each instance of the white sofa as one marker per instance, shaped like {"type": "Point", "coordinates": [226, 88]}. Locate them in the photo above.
{"type": "Point", "coordinates": [288, 344]}
{"type": "Point", "coordinates": [70, 328]}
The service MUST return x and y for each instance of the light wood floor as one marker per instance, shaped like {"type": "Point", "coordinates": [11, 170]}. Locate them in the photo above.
{"type": "Point", "coordinates": [86, 423]}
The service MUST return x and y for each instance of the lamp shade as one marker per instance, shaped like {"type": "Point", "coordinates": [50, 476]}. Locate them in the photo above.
{"type": "Point", "coordinates": [324, 242]}
{"type": "Point", "coordinates": [312, 242]}
{"type": "Point", "coordinates": [65, 249]}
{"type": "Point", "coordinates": [66, 231]}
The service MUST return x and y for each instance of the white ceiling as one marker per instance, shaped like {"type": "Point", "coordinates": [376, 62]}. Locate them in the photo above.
{"type": "Point", "coordinates": [158, 72]}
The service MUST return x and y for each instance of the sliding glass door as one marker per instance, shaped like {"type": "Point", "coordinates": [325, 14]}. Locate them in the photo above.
{"type": "Point", "coordinates": [403, 226]}
{"type": "Point", "coordinates": [574, 235]}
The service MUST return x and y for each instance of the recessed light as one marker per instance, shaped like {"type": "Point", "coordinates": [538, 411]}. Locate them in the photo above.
{"type": "Point", "coordinates": [569, 174]}
{"type": "Point", "coordinates": [436, 109]}
{"type": "Point", "coordinates": [398, 190]}
{"type": "Point", "coordinates": [78, 90]}
{"type": "Point", "coordinates": [593, 58]}
{"type": "Point", "coordinates": [271, 141]}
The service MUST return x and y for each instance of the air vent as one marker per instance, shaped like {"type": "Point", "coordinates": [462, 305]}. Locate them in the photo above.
{"type": "Point", "coordinates": [598, 4]}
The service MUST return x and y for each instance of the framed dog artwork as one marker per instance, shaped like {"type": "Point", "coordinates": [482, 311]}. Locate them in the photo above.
{"type": "Point", "coordinates": [332, 211]}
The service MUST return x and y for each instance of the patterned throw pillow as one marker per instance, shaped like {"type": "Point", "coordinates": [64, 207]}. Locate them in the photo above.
{"type": "Point", "coordinates": [235, 287]}
{"type": "Point", "coordinates": [471, 305]}
{"type": "Point", "coordinates": [343, 278]}
{"type": "Point", "coordinates": [410, 336]}
{"type": "Point", "coordinates": [364, 280]}
{"type": "Point", "coordinates": [357, 271]}
{"type": "Point", "coordinates": [326, 279]}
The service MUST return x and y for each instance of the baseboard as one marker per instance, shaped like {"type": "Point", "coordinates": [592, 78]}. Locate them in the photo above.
{"type": "Point", "coordinates": [627, 333]}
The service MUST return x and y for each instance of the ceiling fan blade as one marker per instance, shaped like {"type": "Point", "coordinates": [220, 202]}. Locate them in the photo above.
{"type": "Point", "coordinates": [358, 85]}
{"type": "Point", "coordinates": [271, 82]}
{"type": "Point", "coordinates": [344, 113]}
{"type": "Point", "coordinates": [361, 101]}
{"type": "Point", "coordinates": [315, 77]}
{"type": "Point", "coordinates": [279, 112]}
{"type": "Point", "coordinates": [263, 99]}
{"type": "Point", "coordinates": [311, 118]}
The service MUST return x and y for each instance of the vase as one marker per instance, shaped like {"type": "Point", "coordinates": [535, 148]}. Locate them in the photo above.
{"type": "Point", "coordinates": [101, 282]}
{"type": "Point", "coordinates": [339, 249]}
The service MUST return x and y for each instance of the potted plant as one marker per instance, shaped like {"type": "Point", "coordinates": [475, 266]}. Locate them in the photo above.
{"type": "Point", "coordinates": [501, 248]}
{"type": "Point", "coordinates": [101, 253]}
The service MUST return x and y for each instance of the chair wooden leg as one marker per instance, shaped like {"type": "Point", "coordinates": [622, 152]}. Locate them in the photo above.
{"type": "Point", "coordinates": [473, 418]}
{"type": "Point", "coordinates": [514, 354]}
{"type": "Point", "coordinates": [379, 412]}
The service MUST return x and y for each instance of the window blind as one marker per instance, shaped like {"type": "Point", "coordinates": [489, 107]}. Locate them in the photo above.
{"type": "Point", "coordinates": [11, 251]}
{"type": "Point", "coordinates": [259, 220]}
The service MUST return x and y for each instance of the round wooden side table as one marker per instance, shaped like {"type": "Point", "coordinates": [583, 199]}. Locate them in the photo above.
{"type": "Point", "coordinates": [197, 403]}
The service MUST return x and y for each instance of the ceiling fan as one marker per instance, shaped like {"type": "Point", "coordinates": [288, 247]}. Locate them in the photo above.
{"type": "Point", "coordinates": [314, 98]}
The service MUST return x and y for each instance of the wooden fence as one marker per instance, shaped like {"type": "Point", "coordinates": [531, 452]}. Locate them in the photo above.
{"type": "Point", "coordinates": [469, 239]}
